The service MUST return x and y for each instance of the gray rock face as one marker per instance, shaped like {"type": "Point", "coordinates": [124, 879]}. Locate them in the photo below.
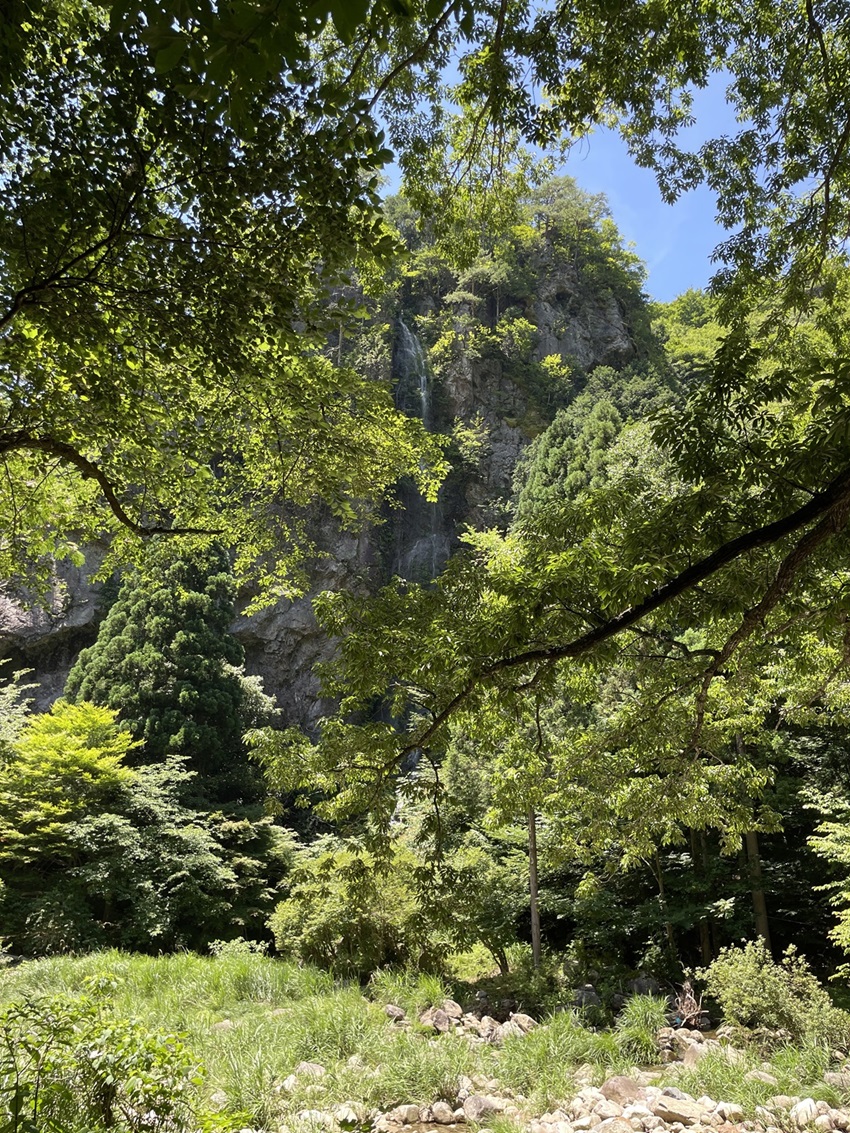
{"type": "Point", "coordinates": [46, 636]}
{"type": "Point", "coordinates": [284, 644]}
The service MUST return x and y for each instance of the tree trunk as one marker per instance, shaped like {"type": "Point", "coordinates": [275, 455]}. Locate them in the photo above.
{"type": "Point", "coordinates": [698, 858]}
{"type": "Point", "coordinates": [532, 887]}
{"type": "Point", "coordinates": [662, 899]}
{"type": "Point", "coordinates": [751, 846]}
{"type": "Point", "coordinates": [751, 843]}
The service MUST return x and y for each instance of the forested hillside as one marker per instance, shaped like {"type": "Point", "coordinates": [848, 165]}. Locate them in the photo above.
{"type": "Point", "coordinates": [424, 691]}
{"type": "Point", "coordinates": [543, 366]}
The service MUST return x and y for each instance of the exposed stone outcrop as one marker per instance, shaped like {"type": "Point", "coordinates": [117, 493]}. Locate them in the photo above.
{"type": "Point", "coordinates": [283, 644]}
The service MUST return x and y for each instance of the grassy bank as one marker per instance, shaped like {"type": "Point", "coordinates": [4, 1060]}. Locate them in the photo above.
{"type": "Point", "coordinates": [244, 1023]}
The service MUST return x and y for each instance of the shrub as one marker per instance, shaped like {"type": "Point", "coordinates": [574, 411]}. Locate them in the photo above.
{"type": "Point", "coordinates": [753, 990]}
{"type": "Point", "coordinates": [345, 914]}
{"type": "Point", "coordinates": [637, 1026]}
{"type": "Point", "coordinates": [68, 1067]}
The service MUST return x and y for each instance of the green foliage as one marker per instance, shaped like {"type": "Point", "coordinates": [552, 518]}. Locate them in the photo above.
{"type": "Point", "coordinates": [14, 707]}
{"type": "Point", "coordinates": [637, 1026]}
{"type": "Point", "coordinates": [409, 988]}
{"type": "Point", "coordinates": [484, 890]}
{"type": "Point", "coordinates": [162, 347]}
{"type": "Point", "coordinates": [832, 842]}
{"type": "Point", "coordinates": [753, 990]}
{"type": "Point", "coordinates": [565, 460]}
{"type": "Point", "coordinates": [94, 852]}
{"type": "Point", "coordinates": [353, 915]}
{"type": "Point", "coordinates": [166, 662]}
{"type": "Point", "coordinates": [68, 1066]}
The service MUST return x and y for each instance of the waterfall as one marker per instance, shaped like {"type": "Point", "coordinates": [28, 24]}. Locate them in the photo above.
{"type": "Point", "coordinates": [414, 366]}
{"type": "Point", "coordinates": [424, 546]}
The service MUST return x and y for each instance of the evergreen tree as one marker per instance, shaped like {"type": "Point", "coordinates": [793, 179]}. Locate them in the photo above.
{"type": "Point", "coordinates": [167, 663]}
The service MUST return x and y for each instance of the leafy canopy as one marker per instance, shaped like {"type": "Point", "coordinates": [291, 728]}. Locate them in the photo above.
{"type": "Point", "coordinates": [185, 189]}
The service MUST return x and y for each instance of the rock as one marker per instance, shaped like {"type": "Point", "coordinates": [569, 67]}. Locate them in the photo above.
{"type": "Point", "coordinates": [512, 1029]}
{"type": "Point", "coordinates": [588, 1121]}
{"type": "Point", "coordinates": [407, 1114]}
{"type": "Point", "coordinates": [694, 1052]}
{"type": "Point", "coordinates": [310, 1070]}
{"type": "Point", "coordinates": [586, 996]}
{"type": "Point", "coordinates": [289, 1084]}
{"type": "Point", "coordinates": [442, 1113]}
{"type": "Point", "coordinates": [346, 1116]}
{"type": "Point", "coordinates": [490, 1029]}
{"type": "Point", "coordinates": [672, 1109]}
{"type": "Point", "coordinates": [825, 1122]}
{"type": "Point", "coordinates": [316, 1117]}
{"type": "Point", "coordinates": [840, 1079]}
{"type": "Point", "coordinates": [524, 1021]}
{"type": "Point", "coordinates": [606, 1109]}
{"type": "Point", "coordinates": [730, 1111]}
{"type": "Point", "coordinates": [621, 1089]}
{"type": "Point", "coordinates": [452, 1009]}
{"type": "Point", "coordinates": [560, 1117]}
{"type": "Point", "coordinates": [223, 1025]}
{"type": "Point", "coordinates": [804, 1112]}
{"type": "Point", "coordinates": [426, 1114]}
{"type": "Point", "coordinates": [781, 1101]}
{"type": "Point", "coordinates": [644, 985]}
{"type": "Point", "coordinates": [394, 1013]}
{"type": "Point", "coordinates": [440, 1021]}
{"type": "Point", "coordinates": [477, 1105]}
{"type": "Point", "coordinates": [614, 1125]}
{"type": "Point", "coordinates": [637, 1109]}
{"type": "Point", "coordinates": [761, 1076]}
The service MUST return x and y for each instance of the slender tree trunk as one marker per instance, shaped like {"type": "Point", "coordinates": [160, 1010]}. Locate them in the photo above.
{"type": "Point", "coordinates": [662, 897]}
{"type": "Point", "coordinates": [532, 887]}
{"type": "Point", "coordinates": [751, 846]}
{"type": "Point", "coordinates": [751, 843]}
{"type": "Point", "coordinates": [501, 958]}
{"type": "Point", "coordinates": [698, 860]}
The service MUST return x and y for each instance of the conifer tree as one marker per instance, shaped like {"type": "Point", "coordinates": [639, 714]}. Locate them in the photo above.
{"type": "Point", "coordinates": [167, 663]}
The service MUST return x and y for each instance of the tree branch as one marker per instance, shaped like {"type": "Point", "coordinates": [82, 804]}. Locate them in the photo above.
{"type": "Point", "coordinates": [67, 454]}
{"type": "Point", "coordinates": [832, 506]}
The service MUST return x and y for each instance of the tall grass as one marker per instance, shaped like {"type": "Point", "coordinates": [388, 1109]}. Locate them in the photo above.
{"type": "Point", "coordinates": [637, 1026]}
{"type": "Point", "coordinates": [248, 1021]}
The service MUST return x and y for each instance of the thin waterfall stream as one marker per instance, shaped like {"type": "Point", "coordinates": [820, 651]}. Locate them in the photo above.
{"type": "Point", "coordinates": [426, 549]}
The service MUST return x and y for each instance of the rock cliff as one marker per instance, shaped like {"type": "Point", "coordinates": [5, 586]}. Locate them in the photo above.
{"type": "Point", "coordinates": [451, 359]}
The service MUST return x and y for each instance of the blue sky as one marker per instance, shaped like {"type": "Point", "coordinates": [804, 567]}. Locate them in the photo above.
{"type": "Point", "coordinates": [674, 241]}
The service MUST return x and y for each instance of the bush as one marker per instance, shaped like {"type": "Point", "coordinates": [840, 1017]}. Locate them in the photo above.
{"type": "Point", "coordinates": [346, 914]}
{"type": "Point", "coordinates": [753, 990]}
{"type": "Point", "coordinates": [67, 1067]}
{"type": "Point", "coordinates": [637, 1026]}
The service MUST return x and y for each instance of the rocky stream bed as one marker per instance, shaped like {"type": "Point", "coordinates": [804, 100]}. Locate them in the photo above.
{"type": "Point", "coordinates": [636, 1102]}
